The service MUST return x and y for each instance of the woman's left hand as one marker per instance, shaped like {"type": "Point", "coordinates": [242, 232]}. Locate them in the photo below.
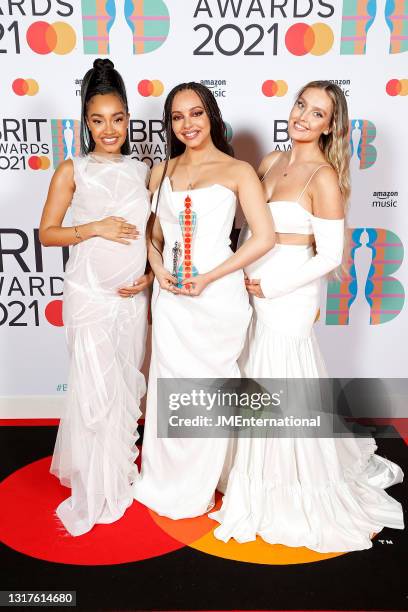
{"type": "Point", "coordinates": [253, 286]}
{"type": "Point", "coordinates": [197, 284]}
{"type": "Point", "coordinates": [139, 285]}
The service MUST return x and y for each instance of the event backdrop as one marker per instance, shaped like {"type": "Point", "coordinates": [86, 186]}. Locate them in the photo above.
{"type": "Point", "coordinates": [254, 55]}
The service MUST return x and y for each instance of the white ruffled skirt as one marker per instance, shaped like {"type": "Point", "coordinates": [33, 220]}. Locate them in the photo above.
{"type": "Point", "coordinates": [95, 450]}
{"type": "Point", "coordinates": [323, 493]}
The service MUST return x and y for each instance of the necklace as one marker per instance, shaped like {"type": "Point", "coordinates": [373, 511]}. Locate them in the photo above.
{"type": "Point", "coordinates": [192, 182]}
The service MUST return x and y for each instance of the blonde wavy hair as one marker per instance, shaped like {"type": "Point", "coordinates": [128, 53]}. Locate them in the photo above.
{"type": "Point", "coordinates": [336, 149]}
{"type": "Point", "coordinates": [335, 145]}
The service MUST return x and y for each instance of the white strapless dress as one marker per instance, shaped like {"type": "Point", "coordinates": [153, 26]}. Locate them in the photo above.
{"type": "Point", "coordinates": [193, 337]}
{"type": "Point", "coordinates": [323, 493]}
{"type": "Point", "coordinates": [96, 443]}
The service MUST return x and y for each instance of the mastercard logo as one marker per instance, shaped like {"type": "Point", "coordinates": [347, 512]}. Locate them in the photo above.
{"type": "Point", "coordinates": [397, 87]}
{"type": "Point", "coordinates": [53, 313]}
{"type": "Point", "coordinates": [148, 88]}
{"type": "Point", "coordinates": [44, 38]}
{"type": "Point", "coordinates": [39, 162]}
{"type": "Point", "coordinates": [274, 88]}
{"type": "Point", "coordinates": [316, 39]}
{"type": "Point", "coordinates": [25, 87]}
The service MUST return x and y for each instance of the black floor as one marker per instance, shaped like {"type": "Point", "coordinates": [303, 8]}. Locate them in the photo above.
{"type": "Point", "coordinates": [191, 580]}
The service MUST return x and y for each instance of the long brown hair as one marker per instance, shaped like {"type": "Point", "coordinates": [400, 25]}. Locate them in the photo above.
{"type": "Point", "coordinates": [174, 146]}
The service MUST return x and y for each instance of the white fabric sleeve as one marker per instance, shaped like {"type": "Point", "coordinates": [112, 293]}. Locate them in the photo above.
{"type": "Point", "coordinates": [329, 239]}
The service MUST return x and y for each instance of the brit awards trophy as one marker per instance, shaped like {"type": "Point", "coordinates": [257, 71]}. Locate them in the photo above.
{"type": "Point", "coordinates": [188, 222]}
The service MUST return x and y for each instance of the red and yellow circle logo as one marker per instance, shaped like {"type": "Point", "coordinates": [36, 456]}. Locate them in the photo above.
{"type": "Point", "coordinates": [277, 88]}
{"type": "Point", "coordinates": [39, 162]}
{"type": "Point", "coordinates": [148, 88]}
{"type": "Point", "coordinates": [44, 38]}
{"type": "Point", "coordinates": [25, 87]}
{"type": "Point", "coordinates": [397, 87]}
{"type": "Point", "coordinates": [53, 313]}
{"type": "Point", "coordinates": [316, 39]}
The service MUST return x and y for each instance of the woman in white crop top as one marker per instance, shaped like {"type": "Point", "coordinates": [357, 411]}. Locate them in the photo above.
{"type": "Point", "coordinates": [324, 493]}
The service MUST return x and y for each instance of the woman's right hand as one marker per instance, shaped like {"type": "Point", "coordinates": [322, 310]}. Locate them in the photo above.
{"type": "Point", "coordinates": [116, 229]}
{"type": "Point", "coordinates": [166, 280]}
{"type": "Point", "coordinates": [254, 287]}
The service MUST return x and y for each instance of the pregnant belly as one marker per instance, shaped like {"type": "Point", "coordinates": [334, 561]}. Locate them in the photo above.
{"type": "Point", "coordinates": [105, 266]}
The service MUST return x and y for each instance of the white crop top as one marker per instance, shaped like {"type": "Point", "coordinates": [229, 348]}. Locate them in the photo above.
{"type": "Point", "coordinates": [289, 216]}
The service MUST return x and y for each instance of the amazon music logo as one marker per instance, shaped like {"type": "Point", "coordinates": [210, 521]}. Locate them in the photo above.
{"type": "Point", "coordinates": [385, 199]}
{"type": "Point", "coordinates": [218, 87]}
{"type": "Point", "coordinates": [344, 84]}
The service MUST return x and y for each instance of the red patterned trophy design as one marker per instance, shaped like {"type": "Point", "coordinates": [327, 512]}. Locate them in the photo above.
{"type": "Point", "coordinates": [188, 222]}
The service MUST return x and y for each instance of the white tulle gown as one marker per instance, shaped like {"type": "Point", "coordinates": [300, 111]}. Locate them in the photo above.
{"type": "Point", "coordinates": [96, 443]}
{"type": "Point", "coordinates": [193, 337]}
{"type": "Point", "coordinates": [323, 493]}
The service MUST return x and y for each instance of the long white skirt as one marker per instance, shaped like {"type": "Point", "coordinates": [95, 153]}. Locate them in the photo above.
{"type": "Point", "coordinates": [95, 449]}
{"type": "Point", "coordinates": [192, 337]}
{"type": "Point", "coordinates": [323, 493]}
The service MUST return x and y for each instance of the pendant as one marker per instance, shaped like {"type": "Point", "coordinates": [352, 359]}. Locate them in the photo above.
{"type": "Point", "coordinates": [188, 222]}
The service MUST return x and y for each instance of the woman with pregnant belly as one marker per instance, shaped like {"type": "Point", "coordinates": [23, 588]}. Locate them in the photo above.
{"type": "Point", "coordinates": [323, 493]}
{"type": "Point", "coordinates": [105, 305]}
{"type": "Point", "coordinates": [200, 307]}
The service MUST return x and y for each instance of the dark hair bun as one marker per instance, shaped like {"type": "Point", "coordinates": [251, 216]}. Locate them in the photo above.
{"type": "Point", "coordinates": [103, 64]}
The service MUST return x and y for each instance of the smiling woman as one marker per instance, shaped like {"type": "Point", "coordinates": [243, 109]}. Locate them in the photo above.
{"type": "Point", "coordinates": [106, 191]}
{"type": "Point", "coordinates": [325, 493]}
{"type": "Point", "coordinates": [200, 307]}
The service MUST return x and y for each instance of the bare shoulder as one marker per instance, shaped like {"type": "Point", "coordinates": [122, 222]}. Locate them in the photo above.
{"type": "Point", "coordinates": [239, 164]}
{"type": "Point", "coordinates": [325, 175]}
{"type": "Point", "coordinates": [270, 157]}
{"type": "Point", "coordinates": [268, 161]}
{"type": "Point", "coordinates": [326, 195]}
{"type": "Point", "coordinates": [63, 177]}
{"type": "Point", "coordinates": [242, 169]}
{"type": "Point", "coordinates": [65, 169]}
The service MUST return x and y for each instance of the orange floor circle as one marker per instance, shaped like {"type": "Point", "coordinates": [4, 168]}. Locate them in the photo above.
{"type": "Point", "coordinates": [197, 533]}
